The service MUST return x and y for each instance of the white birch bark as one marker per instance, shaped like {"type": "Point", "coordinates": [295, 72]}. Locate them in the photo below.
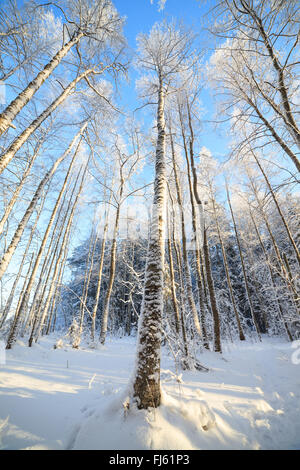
{"type": "Point", "coordinates": [31, 280]}
{"type": "Point", "coordinates": [11, 296]}
{"type": "Point", "coordinates": [17, 191]}
{"type": "Point", "coordinates": [100, 269]}
{"type": "Point", "coordinates": [6, 258]}
{"type": "Point", "coordinates": [105, 313]}
{"type": "Point", "coordinates": [87, 278]}
{"type": "Point", "coordinates": [9, 154]}
{"type": "Point", "coordinates": [147, 375]}
{"type": "Point", "coordinates": [243, 267]}
{"type": "Point", "coordinates": [8, 115]}
{"type": "Point", "coordinates": [56, 268]}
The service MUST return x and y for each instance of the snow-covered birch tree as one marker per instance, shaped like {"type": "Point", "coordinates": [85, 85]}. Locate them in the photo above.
{"type": "Point", "coordinates": [98, 22]}
{"type": "Point", "coordinates": [162, 54]}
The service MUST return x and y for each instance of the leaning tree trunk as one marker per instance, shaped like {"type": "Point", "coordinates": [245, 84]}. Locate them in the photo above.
{"type": "Point", "coordinates": [288, 231]}
{"type": "Point", "coordinates": [63, 257]}
{"type": "Point", "coordinates": [22, 225]}
{"type": "Point", "coordinates": [237, 316]}
{"type": "Point", "coordinates": [51, 260]}
{"type": "Point", "coordinates": [194, 228]}
{"type": "Point", "coordinates": [290, 121]}
{"type": "Point", "coordinates": [12, 293]}
{"type": "Point", "coordinates": [278, 302]}
{"type": "Point", "coordinates": [282, 266]}
{"type": "Point", "coordinates": [9, 114]}
{"type": "Point", "coordinates": [147, 377]}
{"type": "Point", "coordinates": [56, 268]}
{"type": "Point", "coordinates": [9, 154]}
{"type": "Point", "coordinates": [25, 298]}
{"type": "Point", "coordinates": [56, 232]}
{"type": "Point", "coordinates": [186, 267]}
{"type": "Point", "coordinates": [18, 189]}
{"type": "Point", "coordinates": [243, 268]}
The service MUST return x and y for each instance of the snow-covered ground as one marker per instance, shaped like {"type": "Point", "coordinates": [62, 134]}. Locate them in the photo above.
{"type": "Point", "coordinates": [73, 399]}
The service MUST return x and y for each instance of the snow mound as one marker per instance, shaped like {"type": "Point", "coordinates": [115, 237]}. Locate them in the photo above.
{"type": "Point", "coordinates": [174, 425]}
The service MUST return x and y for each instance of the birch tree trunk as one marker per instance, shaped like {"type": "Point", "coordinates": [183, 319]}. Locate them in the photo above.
{"type": "Point", "coordinates": [47, 256]}
{"type": "Point", "coordinates": [100, 269]}
{"type": "Point", "coordinates": [186, 267]}
{"type": "Point", "coordinates": [112, 271]}
{"type": "Point", "coordinates": [196, 240]}
{"type": "Point", "coordinates": [31, 280]}
{"type": "Point", "coordinates": [22, 225]}
{"type": "Point", "coordinates": [14, 330]}
{"type": "Point", "coordinates": [278, 303]}
{"type": "Point", "coordinates": [288, 231]}
{"type": "Point", "coordinates": [172, 280]}
{"type": "Point", "coordinates": [56, 268]}
{"type": "Point", "coordinates": [9, 154]}
{"type": "Point", "coordinates": [186, 359]}
{"type": "Point", "coordinates": [87, 278]}
{"type": "Point", "coordinates": [243, 268]}
{"type": "Point", "coordinates": [147, 377]}
{"type": "Point", "coordinates": [63, 256]}
{"type": "Point", "coordinates": [12, 293]}
{"type": "Point", "coordinates": [232, 298]}
{"type": "Point", "coordinates": [17, 191]}
{"type": "Point", "coordinates": [9, 114]}
{"type": "Point", "coordinates": [212, 295]}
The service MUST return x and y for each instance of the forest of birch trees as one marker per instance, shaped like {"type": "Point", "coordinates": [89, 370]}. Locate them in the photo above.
{"type": "Point", "coordinates": [118, 221]}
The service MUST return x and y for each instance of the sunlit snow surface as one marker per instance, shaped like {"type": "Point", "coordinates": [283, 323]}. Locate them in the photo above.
{"type": "Point", "coordinates": [73, 399]}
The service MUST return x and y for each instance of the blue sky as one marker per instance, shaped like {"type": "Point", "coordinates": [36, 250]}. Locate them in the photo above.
{"type": "Point", "coordinates": [140, 17]}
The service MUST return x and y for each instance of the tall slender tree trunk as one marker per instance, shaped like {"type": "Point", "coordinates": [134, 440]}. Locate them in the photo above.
{"type": "Point", "coordinates": [56, 267]}
{"type": "Point", "coordinates": [14, 330]}
{"type": "Point", "coordinates": [278, 302]}
{"type": "Point", "coordinates": [8, 115]}
{"type": "Point", "coordinates": [288, 231]}
{"type": "Point", "coordinates": [197, 237]}
{"type": "Point", "coordinates": [194, 194]}
{"type": "Point", "coordinates": [9, 154]}
{"type": "Point", "coordinates": [86, 284]}
{"type": "Point", "coordinates": [232, 298]}
{"type": "Point", "coordinates": [212, 294]}
{"type": "Point", "coordinates": [186, 267]}
{"type": "Point", "coordinates": [112, 271]}
{"type": "Point", "coordinates": [56, 233]}
{"type": "Point", "coordinates": [186, 354]}
{"type": "Point", "coordinates": [31, 280]}
{"type": "Point", "coordinates": [147, 376]}
{"type": "Point", "coordinates": [17, 278]}
{"type": "Point", "coordinates": [63, 256]}
{"type": "Point", "coordinates": [18, 189]}
{"type": "Point", "coordinates": [38, 193]}
{"type": "Point", "coordinates": [172, 280]}
{"type": "Point", "coordinates": [243, 268]}
{"type": "Point", "coordinates": [100, 270]}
